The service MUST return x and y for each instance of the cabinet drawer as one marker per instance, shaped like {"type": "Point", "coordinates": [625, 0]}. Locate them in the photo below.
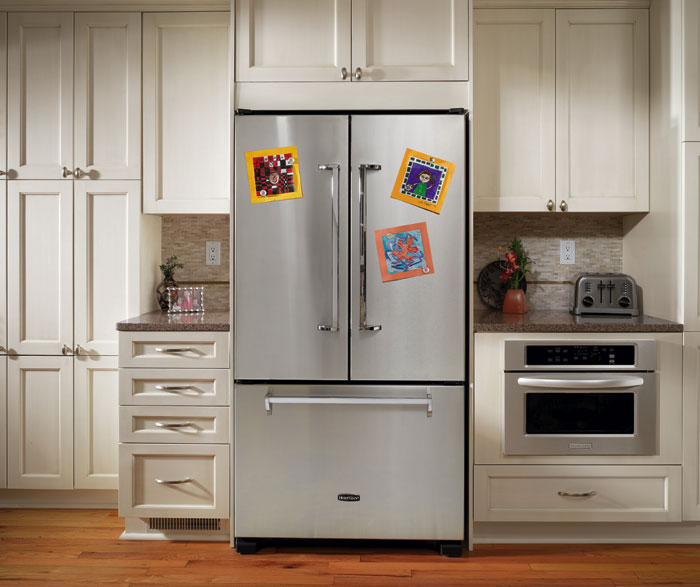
{"type": "Point", "coordinates": [533, 493]}
{"type": "Point", "coordinates": [174, 387]}
{"type": "Point", "coordinates": [173, 480]}
{"type": "Point", "coordinates": [173, 424]}
{"type": "Point", "coordinates": [173, 349]}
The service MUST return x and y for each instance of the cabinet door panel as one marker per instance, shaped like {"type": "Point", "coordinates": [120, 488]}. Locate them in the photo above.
{"type": "Point", "coordinates": [40, 95]}
{"type": "Point", "coordinates": [603, 110]}
{"type": "Point", "coordinates": [3, 92]}
{"type": "Point", "coordinates": [108, 95]}
{"type": "Point", "coordinates": [305, 40]}
{"type": "Point", "coordinates": [96, 417]}
{"type": "Point", "coordinates": [514, 96]}
{"type": "Point", "coordinates": [410, 40]}
{"type": "Point", "coordinates": [3, 419]}
{"type": "Point", "coordinates": [106, 261]}
{"type": "Point", "coordinates": [691, 70]}
{"type": "Point", "coordinates": [40, 423]}
{"type": "Point", "coordinates": [691, 197]}
{"type": "Point", "coordinates": [186, 113]}
{"type": "Point", "coordinates": [40, 266]}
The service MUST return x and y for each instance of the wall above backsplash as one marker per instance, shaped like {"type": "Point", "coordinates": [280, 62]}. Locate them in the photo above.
{"type": "Point", "coordinates": [598, 248]}
{"type": "Point", "coordinates": [185, 236]}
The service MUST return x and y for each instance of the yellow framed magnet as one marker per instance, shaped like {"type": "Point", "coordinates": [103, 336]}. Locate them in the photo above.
{"type": "Point", "coordinates": [273, 174]}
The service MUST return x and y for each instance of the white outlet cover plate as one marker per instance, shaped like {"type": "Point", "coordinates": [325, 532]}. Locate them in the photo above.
{"type": "Point", "coordinates": [567, 252]}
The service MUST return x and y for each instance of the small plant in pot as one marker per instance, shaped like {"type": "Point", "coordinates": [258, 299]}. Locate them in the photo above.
{"type": "Point", "coordinates": [168, 269]}
{"type": "Point", "coordinates": [516, 266]}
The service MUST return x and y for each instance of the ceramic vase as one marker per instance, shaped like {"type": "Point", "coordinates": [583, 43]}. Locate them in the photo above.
{"type": "Point", "coordinates": [514, 302]}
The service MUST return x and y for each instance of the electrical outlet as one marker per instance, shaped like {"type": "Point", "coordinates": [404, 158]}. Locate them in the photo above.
{"type": "Point", "coordinates": [567, 252]}
{"type": "Point", "coordinates": [213, 252]}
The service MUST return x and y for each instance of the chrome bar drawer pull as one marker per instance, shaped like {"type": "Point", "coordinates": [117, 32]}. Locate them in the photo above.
{"type": "Point", "coordinates": [584, 494]}
{"type": "Point", "coordinates": [184, 349]}
{"type": "Point", "coordinates": [426, 401]}
{"type": "Point", "coordinates": [173, 388]}
{"type": "Point", "coordinates": [174, 424]}
{"type": "Point", "coordinates": [364, 167]}
{"type": "Point", "coordinates": [174, 481]}
{"type": "Point", "coordinates": [335, 245]}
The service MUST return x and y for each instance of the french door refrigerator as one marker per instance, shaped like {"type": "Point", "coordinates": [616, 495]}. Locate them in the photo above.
{"type": "Point", "coordinates": [349, 390]}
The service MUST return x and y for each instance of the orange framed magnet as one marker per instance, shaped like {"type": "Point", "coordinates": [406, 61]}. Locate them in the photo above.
{"type": "Point", "coordinates": [273, 175]}
{"type": "Point", "coordinates": [423, 180]}
{"type": "Point", "coordinates": [404, 251]}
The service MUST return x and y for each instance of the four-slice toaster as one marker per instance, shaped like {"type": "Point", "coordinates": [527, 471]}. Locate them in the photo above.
{"type": "Point", "coordinates": [605, 293]}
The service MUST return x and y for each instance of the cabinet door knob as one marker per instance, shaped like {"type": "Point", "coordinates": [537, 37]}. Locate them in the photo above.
{"type": "Point", "coordinates": [79, 173]}
{"type": "Point", "coordinates": [66, 172]}
{"type": "Point", "coordinates": [343, 73]}
{"type": "Point", "coordinates": [3, 172]}
{"type": "Point", "coordinates": [358, 73]}
{"type": "Point", "coordinates": [550, 205]}
{"type": "Point", "coordinates": [66, 350]}
{"type": "Point", "coordinates": [563, 206]}
{"type": "Point", "coordinates": [78, 349]}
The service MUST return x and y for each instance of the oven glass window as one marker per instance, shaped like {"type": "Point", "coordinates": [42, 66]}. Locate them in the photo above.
{"type": "Point", "coordinates": [579, 413]}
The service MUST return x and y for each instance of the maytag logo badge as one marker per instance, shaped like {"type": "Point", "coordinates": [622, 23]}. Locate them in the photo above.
{"type": "Point", "coordinates": [348, 497]}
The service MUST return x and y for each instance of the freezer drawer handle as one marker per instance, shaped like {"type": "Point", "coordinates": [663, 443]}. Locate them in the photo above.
{"type": "Point", "coordinates": [335, 245]}
{"type": "Point", "coordinates": [363, 246]}
{"type": "Point", "coordinates": [358, 401]}
{"type": "Point", "coordinates": [174, 481]}
{"type": "Point", "coordinates": [618, 382]}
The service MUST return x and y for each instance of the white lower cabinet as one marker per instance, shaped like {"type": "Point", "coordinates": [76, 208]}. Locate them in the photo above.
{"type": "Point", "coordinates": [96, 423]}
{"type": "Point", "coordinates": [691, 420]}
{"type": "Point", "coordinates": [3, 419]}
{"type": "Point", "coordinates": [174, 425]}
{"type": "Point", "coordinates": [577, 493]}
{"type": "Point", "coordinates": [179, 480]}
{"type": "Point", "coordinates": [40, 423]}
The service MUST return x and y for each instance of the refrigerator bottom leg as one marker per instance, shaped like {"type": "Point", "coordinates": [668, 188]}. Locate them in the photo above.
{"type": "Point", "coordinates": [451, 548]}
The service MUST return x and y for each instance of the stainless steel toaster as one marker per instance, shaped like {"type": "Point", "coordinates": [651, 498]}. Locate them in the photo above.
{"type": "Point", "coordinates": [605, 293]}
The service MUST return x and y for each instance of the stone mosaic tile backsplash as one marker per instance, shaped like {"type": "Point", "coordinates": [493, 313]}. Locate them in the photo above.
{"type": "Point", "coordinates": [185, 236]}
{"type": "Point", "coordinates": [598, 248]}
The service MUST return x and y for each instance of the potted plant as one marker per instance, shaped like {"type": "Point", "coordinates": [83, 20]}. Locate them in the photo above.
{"type": "Point", "coordinates": [516, 266]}
{"type": "Point", "coordinates": [168, 269]}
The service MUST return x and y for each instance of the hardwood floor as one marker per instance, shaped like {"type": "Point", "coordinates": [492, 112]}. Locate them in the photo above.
{"type": "Point", "coordinates": [81, 547]}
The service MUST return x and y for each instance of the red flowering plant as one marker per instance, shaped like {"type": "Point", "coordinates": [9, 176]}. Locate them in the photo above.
{"type": "Point", "coordinates": [516, 265]}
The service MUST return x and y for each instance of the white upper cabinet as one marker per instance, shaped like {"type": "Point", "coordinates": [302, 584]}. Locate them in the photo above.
{"type": "Point", "coordinates": [40, 95]}
{"type": "Point", "coordinates": [279, 40]}
{"type": "Point", "coordinates": [108, 95]}
{"type": "Point", "coordinates": [410, 40]}
{"type": "Point", "coordinates": [603, 110]}
{"type": "Point", "coordinates": [691, 70]}
{"type": "Point", "coordinates": [106, 262]}
{"type": "Point", "coordinates": [358, 40]}
{"type": "Point", "coordinates": [40, 266]}
{"type": "Point", "coordinates": [3, 96]}
{"type": "Point", "coordinates": [186, 119]}
{"type": "Point", "coordinates": [514, 110]}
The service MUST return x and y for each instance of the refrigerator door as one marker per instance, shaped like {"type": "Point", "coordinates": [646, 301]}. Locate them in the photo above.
{"type": "Point", "coordinates": [291, 256]}
{"type": "Point", "coordinates": [422, 318]}
{"type": "Point", "coordinates": [340, 461]}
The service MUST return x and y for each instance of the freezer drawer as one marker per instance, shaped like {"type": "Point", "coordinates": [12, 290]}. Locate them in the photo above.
{"type": "Point", "coordinates": [337, 461]}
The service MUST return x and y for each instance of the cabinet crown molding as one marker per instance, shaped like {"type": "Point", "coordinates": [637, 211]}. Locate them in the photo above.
{"type": "Point", "coordinates": [562, 3]}
{"type": "Point", "coordinates": [114, 5]}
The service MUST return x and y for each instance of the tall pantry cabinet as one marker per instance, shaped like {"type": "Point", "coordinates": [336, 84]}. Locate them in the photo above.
{"type": "Point", "coordinates": [73, 199]}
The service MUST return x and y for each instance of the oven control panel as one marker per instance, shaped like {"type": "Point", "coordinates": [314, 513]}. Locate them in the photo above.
{"type": "Point", "coordinates": [590, 355]}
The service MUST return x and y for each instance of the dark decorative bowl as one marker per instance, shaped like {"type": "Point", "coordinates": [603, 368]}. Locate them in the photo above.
{"type": "Point", "coordinates": [490, 287]}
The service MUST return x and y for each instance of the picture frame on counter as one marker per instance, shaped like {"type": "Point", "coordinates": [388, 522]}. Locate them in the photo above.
{"type": "Point", "coordinates": [185, 300]}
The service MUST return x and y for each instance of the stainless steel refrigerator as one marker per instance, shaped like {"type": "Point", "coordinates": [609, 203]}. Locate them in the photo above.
{"type": "Point", "coordinates": [349, 390]}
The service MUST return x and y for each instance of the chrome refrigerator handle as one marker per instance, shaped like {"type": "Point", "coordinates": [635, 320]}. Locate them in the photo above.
{"type": "Point", "coordinates": [335, 245]}
{"type": "Point", "coordinates": [426, 401]}
{"type": "Point", "coordinates": [363, 245]}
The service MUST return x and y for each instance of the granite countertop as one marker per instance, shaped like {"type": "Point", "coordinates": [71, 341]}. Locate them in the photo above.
{"type": "Point", "coordinates": [162, 321]}
{"type": "Point", "coordinates": [563, 321]}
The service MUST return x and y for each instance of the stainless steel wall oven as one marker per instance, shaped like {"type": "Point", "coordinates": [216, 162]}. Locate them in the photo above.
{"type": "Point", "coordinates": [587, 397]}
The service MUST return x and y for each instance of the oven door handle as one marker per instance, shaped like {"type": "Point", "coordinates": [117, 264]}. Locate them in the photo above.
{"type": "Point", "coordinates": [552, 383]}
